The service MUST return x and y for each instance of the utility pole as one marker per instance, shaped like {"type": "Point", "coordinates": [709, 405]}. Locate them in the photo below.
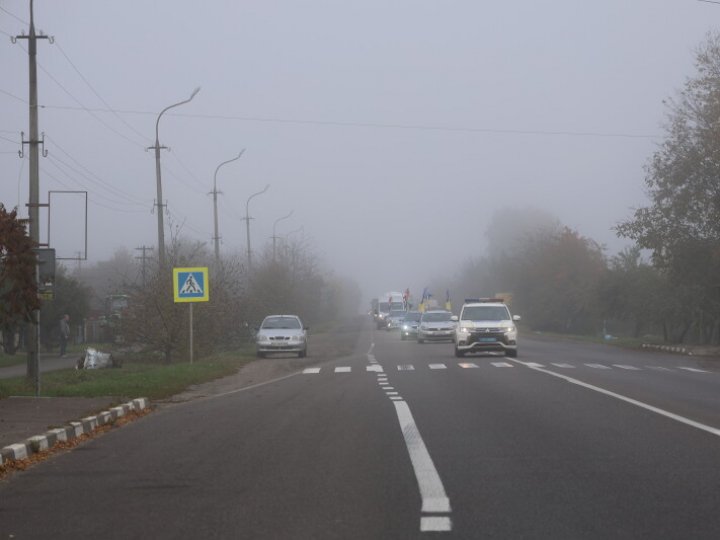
{"type": "Point", "coordinates": [214, 193]}
{"type": "Point", "coordinates": [274, 236]}
{"type": "Point", "coordinates": [79, 261]}
{"type": "Point", "coordinates": [143, 257]}
{"type": "Point", "coordinates": [159, 202]}
{"type": "Point", "coordinates": [33, 341]}
{"type": "Point", "coordinates": [247, 219]}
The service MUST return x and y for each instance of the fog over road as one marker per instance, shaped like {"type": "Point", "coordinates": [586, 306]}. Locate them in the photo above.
{"type": "Point", "coordinates": [569, 441]}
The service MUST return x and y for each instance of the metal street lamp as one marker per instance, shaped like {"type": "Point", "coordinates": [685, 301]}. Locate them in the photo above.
{"type": "Point", "coordinates": [159, 204]}
{"type": "Point", "coordinates": [274, 236]}
{"type": "Point", "coordinates": [247, 219]}
{"type": "Point", "coordinates": [214, 193]}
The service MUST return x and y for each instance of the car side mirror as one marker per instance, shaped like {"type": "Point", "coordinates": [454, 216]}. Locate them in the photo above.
{"type": "Point", "coordinates": [516, 317]}
{"type": "Point", "coordinates": [307, 328]}
{"type": "Point", "coordinates": [454, 318]}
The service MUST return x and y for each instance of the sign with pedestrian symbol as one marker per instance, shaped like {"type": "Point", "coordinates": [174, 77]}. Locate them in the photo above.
{"type": "Point", "coordinates": [191, 284]}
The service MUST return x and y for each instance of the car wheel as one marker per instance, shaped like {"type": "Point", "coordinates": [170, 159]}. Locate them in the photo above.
{"type": "Point", "coordinates": [511, 353]}
{"type": "Point", "coordinates": [421, 341]}
{"type": "Point", "coordinates": [459, 353]}
{"type": "Point", "coordinates": [260, 354]}
{"type": "Point", "coordinates": [402, 336]}
{"type": "Point", "coordinates": [302, 354]}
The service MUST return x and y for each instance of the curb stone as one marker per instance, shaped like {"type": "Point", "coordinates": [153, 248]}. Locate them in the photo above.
{"type": "Point", "coordinates": [39, 443]}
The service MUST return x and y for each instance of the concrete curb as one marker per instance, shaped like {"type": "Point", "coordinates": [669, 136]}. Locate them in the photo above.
{"type": "Point", "coordinates": [38, 443]}
{"type": "Point", "coordinates": [667, 348]}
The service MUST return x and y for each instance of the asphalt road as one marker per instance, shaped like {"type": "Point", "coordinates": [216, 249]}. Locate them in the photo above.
{"type": "Point", "coordinates": [403, 440]}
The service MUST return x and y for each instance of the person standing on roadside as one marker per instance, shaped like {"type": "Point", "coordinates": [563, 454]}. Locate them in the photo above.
{"type": "Point", "coordinates": [64, 333]}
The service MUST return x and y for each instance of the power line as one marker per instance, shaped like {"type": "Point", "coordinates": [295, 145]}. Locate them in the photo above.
{"type": "Point", "coordinates": [84, 79]}
{"type": "Point", "coordinates": [379, 125]}
{"type": "Point", "coordinates": [14, 16]}
{"type": "Point", "coordinates": [82, 107]}
{"type": "Point", "coordinates": [117, 192]}
{"type": "Point", "coordinates": [14, 96]}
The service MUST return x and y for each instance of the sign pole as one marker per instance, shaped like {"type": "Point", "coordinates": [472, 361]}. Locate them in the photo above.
{"type": "Point", "coordinates": [191, 332]}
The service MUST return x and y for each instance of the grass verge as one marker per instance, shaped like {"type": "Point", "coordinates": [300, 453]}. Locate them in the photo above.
{"type": "Point", "coordinates": [151, 380]}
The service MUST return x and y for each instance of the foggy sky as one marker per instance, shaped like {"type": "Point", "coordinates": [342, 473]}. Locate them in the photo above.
{"type": "Point", "coordinates": [394, 130]}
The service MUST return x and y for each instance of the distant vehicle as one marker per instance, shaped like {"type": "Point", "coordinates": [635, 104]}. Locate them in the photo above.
{"type": "Point", "coordinates": [395, 319]}
{"type": "Point", "coordinates": [281, 333]}
{"type": "Point", "coordinates": [409, 326]}
{"type": "Point", "coordinates": [387, 302]}
{"type": "Point", "coordinates": [486, 325]}
{"type": "Point", "coordinates": [436, 325]}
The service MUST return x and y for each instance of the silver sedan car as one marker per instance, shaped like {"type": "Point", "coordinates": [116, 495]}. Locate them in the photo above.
{"type": "Point", "coordinates": [281, 334]}
{"type": "Point", "coordinates": [436, 325]}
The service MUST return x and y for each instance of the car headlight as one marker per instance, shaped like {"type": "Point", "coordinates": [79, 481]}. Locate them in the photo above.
{"type": "Point", "coordinates": [463, 330]}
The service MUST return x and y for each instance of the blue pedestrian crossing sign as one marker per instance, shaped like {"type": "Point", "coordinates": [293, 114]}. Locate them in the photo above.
{"type": "Point", "coordinates": [191, 284]}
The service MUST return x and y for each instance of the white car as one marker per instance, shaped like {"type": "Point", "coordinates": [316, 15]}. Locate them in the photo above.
{"type": "Point", "coordinates": [486, 325]}
{"type": "Point", "coordinates": [281, 333]}
{"type": "Point", "coordinates": [436, 325]}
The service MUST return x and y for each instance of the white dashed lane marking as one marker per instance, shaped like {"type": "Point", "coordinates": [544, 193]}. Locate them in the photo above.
{"type": "Point", "coordinates": [564, 366]}
{"type": "Point", "coordinates": [437, 366]}
{"type": "Point", "coordinates": [501, 364]}
{"type": "Point", "coordinates": [467, 365]}
{"type": "Point", "coordinates": [629, 368]}
{"type": "Point", "coordinates": [597, 366]}
{"type": "Point", "coordinates": [311, 370]}
{"type": "Point", "coordinates": [344, 369]}
{"type": "Point", "coordinates": [374, 367]}
{"type": "Point", "coordinates": [406, 367]}
{"type": "Point", "coordinates": [694, 370]}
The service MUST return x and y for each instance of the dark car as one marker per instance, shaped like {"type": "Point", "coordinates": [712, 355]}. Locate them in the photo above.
{"type": "Point", "coordinates": [409, 326]}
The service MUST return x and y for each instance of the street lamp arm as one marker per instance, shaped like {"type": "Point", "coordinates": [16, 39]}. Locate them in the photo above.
{"type": "Point", "coordinates": [247, 204]}
{"type": "Point", "coordinates": [157, 123]}
{"type": "Point", "coordinates": [280, 219]}
{"type": "Point", "coordinates": [225, 163]}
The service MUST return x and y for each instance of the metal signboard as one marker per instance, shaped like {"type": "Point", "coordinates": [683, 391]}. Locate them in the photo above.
{"type": "Point", "coordinates": [191, 284]}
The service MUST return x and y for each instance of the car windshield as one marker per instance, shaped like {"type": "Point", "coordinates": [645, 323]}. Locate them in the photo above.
{"type": "Point", "coordinates": [413, 316]}
{"type": "Point", "coordinates": [440, 316]}
{"type": "Point", "coordinates": [383, 307]}
{"type": "Point", "coordinates": [398, 314]}
{"type": "Point", "coordinates": [284, 323]}
{"type": "Point", "coordinates": [397, 306]}
{"type": "Point", "coordinates": [485, 313]}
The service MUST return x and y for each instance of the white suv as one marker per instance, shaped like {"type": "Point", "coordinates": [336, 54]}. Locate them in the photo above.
{"type": "Point", "coordinates": [486, 325]}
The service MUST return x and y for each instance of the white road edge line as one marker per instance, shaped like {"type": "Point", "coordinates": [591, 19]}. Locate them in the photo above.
{"type": "Point", "coordinates": [631, 401]}
{"type": "Point", "coordinates": [432, 492]}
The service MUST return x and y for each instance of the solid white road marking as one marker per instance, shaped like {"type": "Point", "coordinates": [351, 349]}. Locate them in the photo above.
{"type": "Point", "coordinates": [467, 365]}
{"type": "Point", "coordinates": [374, 367]}
{"type": "Point", "coordinates": [311, 370]}
{"type": "Point", "coordinates": [343, 369]}
{"type": "Point", "coordinates": [432, 491]}
{"type": "Point", "coordinates": [501, 364]}
{"type": "Point", "coordinates": [631, 401]}
{"type": "Point", "coordinates": [439, 524]}
{"type": "Point", "coordinates": [658, 368]}
{"type": "Point", "coordinates": [694, 370]}
{"type": "Point", "coordinates": [437, 366]}
{"type": "Point", "coordinates": [623, 366]}
{"type": "Point", "coordinates": [406, 367]}
{"type": "Point", "coordinates": [597, 366]}
{"type": "Point", "coordinates": [565, 366]}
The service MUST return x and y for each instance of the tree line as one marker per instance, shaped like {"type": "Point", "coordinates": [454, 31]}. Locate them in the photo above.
{"type": "Point", "coordinates": [668, 283]}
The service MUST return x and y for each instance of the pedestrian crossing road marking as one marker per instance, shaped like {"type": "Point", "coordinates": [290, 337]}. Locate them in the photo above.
{"type": "Point", "coordinates": [382, 375]}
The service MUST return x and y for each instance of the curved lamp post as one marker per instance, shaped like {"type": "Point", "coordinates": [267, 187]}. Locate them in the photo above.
{"type": "Point", "coordinates": [247, 224]}
{"type": "Point", "coordinates": [216, 238]}
{"type": "Point", "coordinates": [159, 203]}
{"type": "Point", "coordinates": [274, 236]}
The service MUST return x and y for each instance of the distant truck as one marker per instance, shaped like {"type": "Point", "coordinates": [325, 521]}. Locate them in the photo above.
{"type": "Point", "coordinates": [387, 302]}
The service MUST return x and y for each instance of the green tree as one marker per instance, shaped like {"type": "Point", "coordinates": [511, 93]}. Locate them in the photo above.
{"type": "Point", "coordinates": [681, 225]}
{"type": "Point", "coordinates": [18, 291]}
